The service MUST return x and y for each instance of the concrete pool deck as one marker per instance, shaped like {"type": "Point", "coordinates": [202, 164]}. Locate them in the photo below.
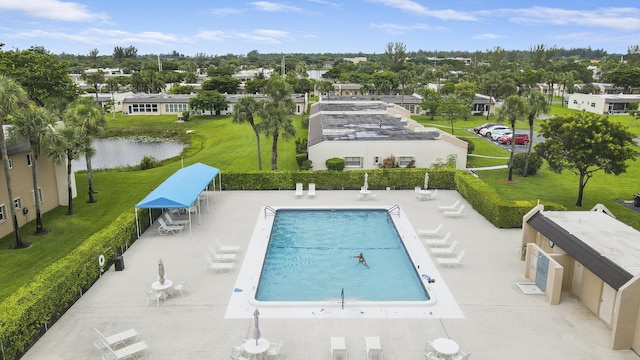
{"type": "Point", "coordinates": [500, 321]}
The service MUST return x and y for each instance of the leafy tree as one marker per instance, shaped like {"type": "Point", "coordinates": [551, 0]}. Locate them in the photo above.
{"type": "Point", "coordinates": [245, 110]}
{"type": "Point", "coordinates": [95, 79]}
{"type": "Point", "coordinates": [536, 105]}
{"type": "Point", "coordinates": [395, 56]}
{"type": "Point", "coordinates": [453, 107]}
{"type": "Point", "coordinates": [385, 82]}
{"type": "Point", "coordinates": [222, 84]}
{"type": "Point", "coordinates": [325, 87]}
{"type": "Point", "coordinates": [431, 100]}
{"type": "Point", "coordinates": [65, 144]}
{"type": "Point", "coordinates": [627, 78]}
{"type": "Point", "coordinates": [254, 86]}
{"type": "Point", "coordinates": [514, 108]}
{"type": "Point", "coordinates": [209, 100]}
{"type": "Point", "coordinates": [12, 98]}
{"type": "Point", "coordinates": [87, 116]}
{"type": "Point", "coordinates": [276, 114]}
{"type": "Point", "coordinates": [585, 143]}
{"type": "Point", "coordinates": [182, 89]}
{"type": "Point", "coordinates": [32, 124]}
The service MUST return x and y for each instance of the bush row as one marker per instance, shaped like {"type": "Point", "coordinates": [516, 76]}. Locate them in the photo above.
{"type": "Point", "coordinates": [35, 306]}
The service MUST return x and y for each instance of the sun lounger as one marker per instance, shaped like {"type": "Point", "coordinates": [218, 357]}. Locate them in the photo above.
{"type": "Point", "coordinates": [312, 190]}
{"type": "Point", "coordinates": [338, 348]}
{"type": "Point", "coordinates": [221, 257]}
{"type": "Point", "coordinates": [451, 261]}
{"type": "Point", "coordinates": [135, 351]}
{"type": "Point", "coordinates": [438, 242]}
{"type": "Point", "coordinates": [210, 264]}
{"type": "Point", "coordinates": [171, 221]}
{"type": "Point", "coordinates": [164, 229]}
{"type": "Point", "coordinates": [374, 350]}
{"type": "Point", "coordinates": [299, 192]}
{"type": "Point", "coordinates": [456, 213]}
{"type": "Point", "coordinates": [445, 250]}
{"type": "Point", "coordinates": [449, 207]}
{"type": "Point", "coordinates": [225, 248]}
{"type": "Point", "coordinates": [430, 232]}
{"type": "Point", "coordinates": [120, 338]}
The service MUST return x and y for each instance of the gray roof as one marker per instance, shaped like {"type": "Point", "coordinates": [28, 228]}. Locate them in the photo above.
{"type": "Point", "coordinates": [390, 99]}
{"type": "Point", "coordinates": [350, 106]}
{"type": "Point", "coordinates": [159, 98]}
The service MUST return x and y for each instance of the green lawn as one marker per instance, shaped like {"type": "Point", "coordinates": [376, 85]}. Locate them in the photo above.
{"type": "Point", "coordinates": [231, 147]}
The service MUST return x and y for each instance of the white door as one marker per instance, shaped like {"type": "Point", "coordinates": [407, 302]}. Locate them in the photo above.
{"type": "Point", "coordinates": [607, 300]}
{"type": "Point", "coordinates": [576, 281]}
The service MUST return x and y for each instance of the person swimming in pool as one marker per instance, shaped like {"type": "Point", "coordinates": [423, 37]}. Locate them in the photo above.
{"type": "Point", "coordinates": [361, 259]}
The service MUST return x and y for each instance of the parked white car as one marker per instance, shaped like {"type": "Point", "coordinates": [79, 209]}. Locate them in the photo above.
{"type": "Point", "coordinates": [490, 130]}
{"type": "Point", "coordinates": [495, 135]}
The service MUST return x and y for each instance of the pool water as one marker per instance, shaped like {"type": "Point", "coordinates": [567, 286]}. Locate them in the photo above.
{"type": "Point", "coordinates": [308, 258]}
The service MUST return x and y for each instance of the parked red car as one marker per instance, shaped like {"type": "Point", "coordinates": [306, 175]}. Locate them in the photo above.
{"type": "Point", "coordinates": [520, 139]}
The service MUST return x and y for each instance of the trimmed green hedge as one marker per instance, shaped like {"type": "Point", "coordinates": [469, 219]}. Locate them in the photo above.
{"type": "Point", "coordinates": [27, 312]}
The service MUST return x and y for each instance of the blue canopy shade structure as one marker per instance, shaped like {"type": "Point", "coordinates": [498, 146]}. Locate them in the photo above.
{"type": "Point", "coordinates": [182, 189]}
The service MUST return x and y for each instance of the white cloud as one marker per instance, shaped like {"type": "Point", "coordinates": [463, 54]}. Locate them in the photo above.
{"type": "Point", "coordinates": [225, 11]}
{"type": "Point", "coordinates": [104, 36]}
{"type": "Point", "coordinates": [53, 9]}
{"type": "Point", "coordinates": [415, 8]}
{"type": "Point", "coordinates": [265, 36]}
{"type": "Point", "coordinates": [335, 5]}
{"type": "Point", "coordinates": [398, 28]}
{"type": "Point", "coordinates": [486, 36]}
{"type": "Point", "coordinates": [405, 5]}
{"type": "Point", "coordinates": [614, 18]}
{"type": "Point", "coordinates": [213, 35]}
{"type": "Point", "coordinates": [274, 7]}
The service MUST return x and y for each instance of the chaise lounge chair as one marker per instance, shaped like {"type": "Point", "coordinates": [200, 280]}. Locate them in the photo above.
{"type": "Point", "coordinates": [338, 348]}
{"type": "Point", "coordinates": [164, 229]}
{"type": "Point", "coordinates": [445, 250]}
{"type": "Point", "coordinates": [210, 264]}
{"type": "Point", "coordinates": [221, 257]}
{"type": "Point", "coordinates": [299, 191]}
{"type": "Point", "coordinates": [170, 220]}
{"type": "Point", "coordinates": [430, 232]}
{"type": "Point", "coordinates": [120, 338]}
{"type": "Point", "coordinates": [312, 190]}
{"type": "Point", "coordinates": [449, 207]}
{"type": "Point", "coordinates": [449, 261]}
{"type": "Point", "coordinates": [439, 242]}
{"type": "Point", "coordinates": [456, 213]}
{"type": "Point", "coordinates": [225, 248]}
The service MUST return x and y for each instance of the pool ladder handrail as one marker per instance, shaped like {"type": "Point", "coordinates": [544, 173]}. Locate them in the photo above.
{"type": "Point", "coordinates": [394, 207]}
{"type": "Point", "coordinates": [270, 209]}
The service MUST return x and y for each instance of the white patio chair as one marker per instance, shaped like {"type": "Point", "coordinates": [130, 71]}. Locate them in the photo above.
{"type": "Point", "coordinates": [155, 296]}
{"type": "Point", "coordinates": [164, 229]}
{"type": "Point", "coordinates": [299, 191]}
{"type": "Point", "coordinates": [461, 356]}
{"type": "Point", "coordinates": [374, 349]}
{"type": "Point", "coordinates": [449, 207]}
{"type": "Point", "coordinates": [312, 190]}
{"type": "Point", "coordinates": [217, 266]}
{"type": "Point", "coordinates": [432, 356]}
{"type": "Point", "coordinates": [181, 287]}
{"type": "Point", "coordinates": [274, 350]}
{"type": "Point", "coordinates": [221, 257]}
{"type": "Point", "coordinates": [451, 261]}
{"type": "Point", "coordinates": [338, 348]}
{"type": "Point", "coordinates": [430, 232]}
{"type": "Point", "coordinates": [432, 194]}
{"type": "Point", "coordinates": [136, 351]}
{"type": "Point", "coordinates": [454, 213]}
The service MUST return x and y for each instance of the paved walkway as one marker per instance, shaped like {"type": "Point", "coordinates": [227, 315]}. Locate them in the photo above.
{"type": "Point", "coordinates": [500, 321]}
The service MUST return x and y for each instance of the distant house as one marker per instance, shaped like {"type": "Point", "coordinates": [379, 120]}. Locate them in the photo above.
{"type": "Point", "coordinates": [591, 255]}
{"type": "Point", "coordinates": [610, 104]}
{"type": "Point", "coordinates": [365, 133]}
{"type": "Point", "coordinates": [166, 104]}
{"type": "Point", "coordinates": [52, 186]}
{"type": "Point", "coordinates": [105, 98]}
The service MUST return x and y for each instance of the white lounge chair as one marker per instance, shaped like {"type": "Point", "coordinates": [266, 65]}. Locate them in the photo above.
{"type": "Point", "coordinates": [451, 261]}
{"type": "Point", "coordinates": [430, 232]}
{"type": "Point", "coordinates": [225, 248]}
{"type": "Point", "coordinates": [120, 338]}
{"type": "Point", "coordinates": [217, 266]}
{"type": "Point", "coordinates": [136, 351]}
{"type": "Point", "coordinates": [299, 191]}
{"type": "Point", "coordinates": [164, 229]}
{"type": "Point", "coordinates": [454, 214]}
{"type": "Point", "coordinates": [312, 190]}
{"type": "Point", "coordinates": [374, 350]}
{"type": "Point", "coordinates": [449, 207]}
{"type": "Point", "coordinates": [445, 250]}
{"type": "Point", "coordinates": [432, 194]}
{"type": "Point", "coordinates": [338, 348]}
{"type": "Point", "coordinates": [439, 242]}
{"type": "Point", "coordinates": [171, 221]}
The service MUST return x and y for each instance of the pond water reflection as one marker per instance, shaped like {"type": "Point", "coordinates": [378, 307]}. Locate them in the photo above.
{"type": "Point", "coordinates": [116, 152]}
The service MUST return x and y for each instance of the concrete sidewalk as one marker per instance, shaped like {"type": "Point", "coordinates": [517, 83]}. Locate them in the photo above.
{"type": "Point", "coordinates": [500, 321]}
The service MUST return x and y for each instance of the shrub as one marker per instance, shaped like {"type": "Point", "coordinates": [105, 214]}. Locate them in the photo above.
{"type": "Point", "coordinates": [148, 162]}
{"type": "Point", "coordinates": [535, 163]}
{"type": "Point", "coordinates": [185, 115]}
{"type": "Point", "coordinates": [471, 146]}
{"type": "Point", "coordinates": [300, 158]}
{"type": "Point", "coordinates": [306, 165]}
{"type": "Point", "coordinates": [305, 122]}
{"type": "Point", "coordinates": [336, 164]}
{"type": "Point", "coordinates": [301, 146]}
{"type": "Point", "coordinates": [389, 162]}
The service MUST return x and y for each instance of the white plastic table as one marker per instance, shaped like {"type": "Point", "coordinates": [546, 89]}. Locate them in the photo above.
{"type": "Point", "coordinates": [161, 287]}
{"type": "Point", "coordinates": [445, 346]}
{"type": "Point", "coordinates": [254, 349]}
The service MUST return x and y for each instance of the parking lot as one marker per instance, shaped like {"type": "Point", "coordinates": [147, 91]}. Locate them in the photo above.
{"type": "Point", "coordinates": [518, 148]}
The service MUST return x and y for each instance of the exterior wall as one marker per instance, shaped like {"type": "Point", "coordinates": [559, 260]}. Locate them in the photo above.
{"type": "Point", "coordinates": [425, 153]}
{"type": "Point", "coordinates": [591, 290]}
{"type": "Point", "coordinates": [22, 187]}
{"type": "Point", "coordinates": [555, 273]}
{"type": "Point", "coordinates": [587, 102]}
{"type": "Point", "coordinates": [625, 317]}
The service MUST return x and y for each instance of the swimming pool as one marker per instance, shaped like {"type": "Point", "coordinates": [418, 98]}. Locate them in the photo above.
{"type": "Point", "coordinates": [311, 257]}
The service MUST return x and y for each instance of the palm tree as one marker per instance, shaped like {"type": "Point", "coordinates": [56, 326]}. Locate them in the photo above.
{"type": "Point", "coordinates": [12, 97]}
{"type": "Point", "coordinates": [86, 115]}
{"type": "Point", "coordinates": [514, 107]}
{"type": "Point", "coordinates": [276, 114]}
{"type": "Point", "coordinates": [537, 105]}
{"type": "Point", "coordinates": [33, 125]}
{"type": "Point", "coordinates": [245, 110]}
{"type": "Point", "coordinates": [65, 144]}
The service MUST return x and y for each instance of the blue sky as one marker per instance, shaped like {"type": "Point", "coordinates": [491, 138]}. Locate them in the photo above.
{"type": "Point", "coordinates": [316, 26]}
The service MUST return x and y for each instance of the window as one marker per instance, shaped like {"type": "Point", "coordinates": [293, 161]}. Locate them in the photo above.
{"type": "Point", "coordinates": [593, 104]}
{"type": "Point", "coordinates": [3, 213]}
{"type": "Point", "coordinates": [17, 203]}
{"type": "Point", "coordinates": [575, 101]}
{"type": "Point", "coordinates": [352, 161]}
{"type": "Point", "coordinates": [140, 108]}
{"type": "Point", "coordinates": [10, 164]}
{"type": "Point", "coordinates": [175, 108]}
{"type": "Point", "coordinates": [403, 161]}
{"type": "Point", "coordinates": [40, 196]}
{"type": "Point", "coordinates": [29, 162]}
{"type": "Point", "coordinates": [376, 160]}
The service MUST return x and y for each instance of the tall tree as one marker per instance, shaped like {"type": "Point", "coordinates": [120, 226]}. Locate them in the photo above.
{"type": "Point", "coordinates": [208, 100]}
{"type": "Point", "coordinates": [245, 110]}
{"type": "Point", "coordinates": [12, 98]}
{"type": "Point", "coordinates": [395, 56]}
{"type": "Point", "coordinates": [585, 143]}
{"type": "Point", "coordinates": [95, 79]}
{"type": "Point", "coordinates": [536, 105]}
{"type": "Point", "coordinates": [514, 108]}
{"type": "Point", "coordinates": [431, 100]}
{"type": "Point", "coordinates": [32, 124]}
{"type": "Point", "coordinates": [86, 115]}
{"type": "Point", "coordinates": [276, 114]}
{"type": "Point", "coordinates": [64, 145]}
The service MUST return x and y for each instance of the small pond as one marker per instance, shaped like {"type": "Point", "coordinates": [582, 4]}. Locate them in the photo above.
{"type": "Point", "coordinates": [118, 152]}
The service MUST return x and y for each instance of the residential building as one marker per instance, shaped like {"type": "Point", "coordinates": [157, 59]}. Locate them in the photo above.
{"type": "Point", "coordinates": [609, 104]}
{"type": "Point", "coordinates": [594, 257]}
{"type": "Point", "coordinates": [365, 133]}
